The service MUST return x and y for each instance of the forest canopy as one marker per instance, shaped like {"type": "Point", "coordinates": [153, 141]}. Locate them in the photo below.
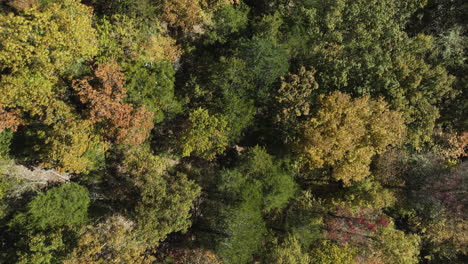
{"type": "Point", "coordinates": [233, 131]}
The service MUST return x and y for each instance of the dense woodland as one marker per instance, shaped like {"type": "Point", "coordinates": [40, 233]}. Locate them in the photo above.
{"type": "Point", "coordinates": [230, 131]}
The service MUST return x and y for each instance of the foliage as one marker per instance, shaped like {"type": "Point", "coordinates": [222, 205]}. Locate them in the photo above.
{"type": "Point", "coordinates": [293, 101]}
{"type": "Point", "coordinates": [227, 20]}
{"type": "Point", "coordinates": [63, 206]}
{"type": "Point", "coordinates": [206, 135]}
{"type": "Point", "coordinates": [259, 170]}
{"type": "Point", "coordinates": [256, 186]}
{"type": "Point", "coordinates": [244, 228]}
{"type": "Point", "coordinates": [229, 92]}
{"type": "Point", "coordinates": [49, 39]}
{"type": "Point", "coordinates": [9, 120]}
{"type": "Point", "coordinates": [71, 145]}
{"type": "Point", "coordinates": [397, 247]}
{"type": "Point", "coordinates": [290, 252]}
{"type": "Point", "coordinates": [360, 47]}
{"type": "Point", "coordinates": [43, 248]}
{"type": "Point", "coordinates": [186, 13]}
{"type": "Point", "coordinates": [266, 62]}
{"type": "Point", "coordinates": [331, 253]}
{"type": "Point", "coordinates": [228, 131]}
{"type": "Point", "coordinates": [120, 122]}
{"type": "Point", "coordinates": [22, 5]}
{"type": "Point", "coordinates": [195, 256]}
{"type": "Point", "coordinates": [346, 133]}
{"type": "Point", "coordinates": [152, 85]}
{"type": "Point", "coordinates": [111, 241]}
{"type": "Point", "coordinates": [126, 38]}
{"type": "Point", "coordinates": [354, 225]}
{"type": "Point", "coordinates": [164, 201]}
{"type": "Point", "coordinates": [36, 47]}
{"type": "Point", "coordinates": [5, 141]}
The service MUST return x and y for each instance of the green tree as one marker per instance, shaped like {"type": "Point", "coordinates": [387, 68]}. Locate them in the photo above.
{"type": "Point", "coordinates": [228, 20]}
{"type": "Point", "coordinates": [260, 170]}
{"type": "Point", "coordinates": [164, 201]}
{"type": "Point", "coordinates": [5, 141]}
{"type": "Point", "coordinates": [229, 91]}
{"type": "Point", "coordinates": [235, 231]}
{"type": "Point", "coordinates": [223, 86]}
{"type": "Point", "coordinates": [233, 223]}
{"type": "Point", "coordinates": [266, 62]}
{"type": "Point", "coordinates": [397, 247]}
{"type": "Point", "coordinates": [152, 85]}
{"type": "Point", "coordinates": [43, 248]}
{"type": "Point", "coordinates": [63, 206]}
{"type": "Point", "coordinates": [360, 47]}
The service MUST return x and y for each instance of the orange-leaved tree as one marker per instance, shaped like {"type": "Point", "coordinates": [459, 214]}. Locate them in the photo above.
{"type": "Point", "coordinates": [103, 96]}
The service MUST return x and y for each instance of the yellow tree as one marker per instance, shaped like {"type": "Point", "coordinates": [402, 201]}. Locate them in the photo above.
{"type": "Point", "coordinates": [71, 143]}
{"type": "Point", "coordinates": [206, 137]}
{"type": "Point", "coordinates": [36, 47]}
{"type": "Point", "coordinates": [111, 241]}
{"type": "Point", "coordinates": [346, 133]}
{"type": "Point", "coordinates": [188, 13]}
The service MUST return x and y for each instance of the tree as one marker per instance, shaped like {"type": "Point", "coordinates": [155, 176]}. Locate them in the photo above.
{"type": "Point", "coordinates": [119, 122]}
{"type": "Point", "coordinates": [152, 85]}
{"type": "Point", "coordinates": [436, 201]}
{"type": "Point", "coordinates": [186, 14]}
{"type": "Point", "coordinates": [346, 133]}
{"type": "Point", "coordinates": [397, 247]}
{"type": "Point", "coordinates": [43, 248]}
{"type": "Point", "coordinates": [62, 140]}
{"type": "Point", "coordinates": [228, 20]}
{"type": "Point", "coordinates": [331, 253]}
{"type": "Point", "coordinates": [229, 91]}
{"type": "Point", "coordinates": [236, 231]}
{"type": "Point", "coordinates": [266, 62]}
{"type": "Point", "coordinates": [50, 38]}
{"type": "Point", "coordinates": [260, 170]}
{"type": "Point", "coordinates": [206, 136]}
{"type": "Point", "coordinates": [164, 201]}
{"type": "Point", "coordinates": [5, 141]}
{"type": "Point", "coordinates": [361, 48]}
{"type": "Point", "coordinates": [233, 222]}
{"type": "Point", "coordinates": [293, 102]}
{"type": "Point", "coordinates": [37, 48]}
{"type": "Point", "coordinates": [131, 38]}
{"type": "Point", "coordinates": [72, 146]}
{"type": "Point", "coordinates": [289, 252]}
{"type": "Point", "coordinates": [9, 120]}
{"type": "Point", "coordinates": [63, 206]}
{"type": "Point", "coordinates": [23, 5]}
{"type": "Point", "coordinates": [194, 256]}
{"type": "Point", "coordinates": [354, 225]}
{"type": "Point", "coordinates": [111, 241]}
